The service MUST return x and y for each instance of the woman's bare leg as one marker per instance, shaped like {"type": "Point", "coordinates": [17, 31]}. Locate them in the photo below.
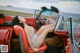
{"type": "Point", "coordinates": [44, 34]}
{"type": "Point", "coordinates": [43, 28]}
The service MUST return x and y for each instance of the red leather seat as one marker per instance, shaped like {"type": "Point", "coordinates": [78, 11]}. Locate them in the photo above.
{"type": "Point", "coordinates": [4, 33]}
{"type": "Point", "coordinates": [24, 42]}
{"type": "Point", "coordinates": [1, 20]}
{"type": "Point", "coordinates": [5, 36]}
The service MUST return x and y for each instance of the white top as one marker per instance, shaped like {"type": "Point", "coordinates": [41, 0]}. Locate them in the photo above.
{"type": "Point", "coordinates": [32, 31]}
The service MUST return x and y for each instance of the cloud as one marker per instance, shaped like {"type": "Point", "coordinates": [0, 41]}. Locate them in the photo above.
{"type": "Point", "coordinates": [31, 4]}
{"type": "Point", "coordinates": [18, 0]}
{"type": "Point", "coordinates": [32, 0]}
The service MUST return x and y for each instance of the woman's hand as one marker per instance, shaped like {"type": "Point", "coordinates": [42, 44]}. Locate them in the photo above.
{"type": "Point", "coordinates": [35, 49]}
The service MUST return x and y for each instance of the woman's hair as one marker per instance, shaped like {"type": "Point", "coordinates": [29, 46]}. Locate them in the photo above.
{"type": "Point", "coordinates": [16, 21]}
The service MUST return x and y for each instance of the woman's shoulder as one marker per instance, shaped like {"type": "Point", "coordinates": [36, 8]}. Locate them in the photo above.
{"type": "Point", "coordinates": [31, 27]}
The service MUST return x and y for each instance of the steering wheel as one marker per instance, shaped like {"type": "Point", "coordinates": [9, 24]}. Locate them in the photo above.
{"type": "Point", "coordinates": [40, 22]}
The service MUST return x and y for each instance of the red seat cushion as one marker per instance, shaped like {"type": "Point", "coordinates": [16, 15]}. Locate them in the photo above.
{"type": "Point", "coordinates": [41, 48]}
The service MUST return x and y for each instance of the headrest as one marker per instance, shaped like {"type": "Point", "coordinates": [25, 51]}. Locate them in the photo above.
{"type": "Point", "coordinates": [1, 19]}
{"type": "Point", "coordinates": [17, 28]}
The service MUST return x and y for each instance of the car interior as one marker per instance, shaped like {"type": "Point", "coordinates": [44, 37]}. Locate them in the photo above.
{"type": "Point", "coordinates": [15, 36]}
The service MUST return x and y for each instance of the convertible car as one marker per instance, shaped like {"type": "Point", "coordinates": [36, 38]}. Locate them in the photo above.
{"type": "Point", "coordinates": [13, 38]}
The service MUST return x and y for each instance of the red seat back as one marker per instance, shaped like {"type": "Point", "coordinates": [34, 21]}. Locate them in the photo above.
{"type": "Point", "coordinates": [17, 30]}
{"type": "Point", "coordinates": [6, 32]}
{"type": "Point", "coordinates": [1, 19]}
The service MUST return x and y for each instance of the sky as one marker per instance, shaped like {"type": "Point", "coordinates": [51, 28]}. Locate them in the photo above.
{"type": "Point", "coordinates": [43, 0]}
{"type": "Point", "coordinates": [37, 4]}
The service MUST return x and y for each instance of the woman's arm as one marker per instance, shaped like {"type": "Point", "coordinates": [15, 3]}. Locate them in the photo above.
{"type": "Point", "coordinates": [28, 36]}
{"type": "Point", "coordinates": [29, 40]}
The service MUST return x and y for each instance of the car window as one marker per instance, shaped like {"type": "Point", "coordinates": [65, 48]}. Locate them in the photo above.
{"type": "Point", "coordinates": [76, 29]}
{"type": "Point", "coordinates": [64, 24]}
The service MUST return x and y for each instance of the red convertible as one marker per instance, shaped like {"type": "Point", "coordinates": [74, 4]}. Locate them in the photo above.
{"type": "Point", "coordinates": [14, 40]}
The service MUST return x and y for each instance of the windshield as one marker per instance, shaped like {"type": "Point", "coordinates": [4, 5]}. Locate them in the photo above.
{"type": "Point", "coordinates": [49, 14]}
{"type": "Point", "coordinates": [63, 24]}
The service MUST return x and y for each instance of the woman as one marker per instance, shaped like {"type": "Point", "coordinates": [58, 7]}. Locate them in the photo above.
{"type": "Point", "coordinates": [16, 21]}
{"type": "Point", "coordinates": [34, 39]}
